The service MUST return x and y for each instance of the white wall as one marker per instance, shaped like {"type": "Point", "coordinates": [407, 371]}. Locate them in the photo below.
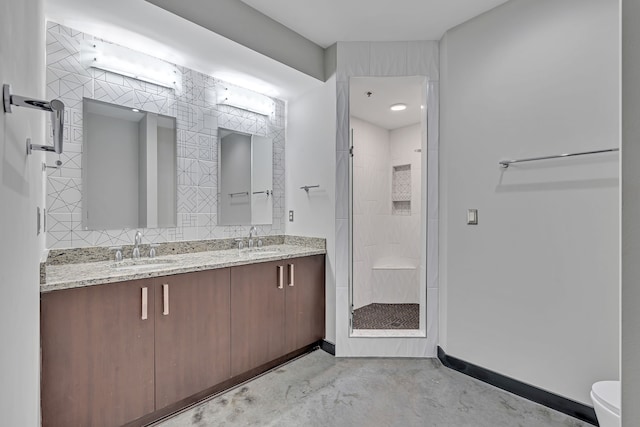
{"type": "Point", "coordinates": [630, 373]}
{"type": "Point", "coordinates": [22, 45]}
{"type": "Point", "coordinates": [532, 291]}
{"type": "Point", "coordinates": [310, 159]}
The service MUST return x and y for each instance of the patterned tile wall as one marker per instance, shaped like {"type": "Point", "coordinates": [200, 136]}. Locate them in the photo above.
{"type": "Point", "coordinates": [401, 183]}
{"type": "Point", "coordinates": [198, 116]}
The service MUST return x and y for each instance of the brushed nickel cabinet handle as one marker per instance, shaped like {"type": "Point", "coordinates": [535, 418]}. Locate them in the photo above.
{"type": "Point", "coordinates": [165, 299]}
{"type": "Point", "coordinates": [280, 276]}
{"type": "Point", "coordinates": [144, 303]}
{"type": "Point", "coordinates": [291, 280]}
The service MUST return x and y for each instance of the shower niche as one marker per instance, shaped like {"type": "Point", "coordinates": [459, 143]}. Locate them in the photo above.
{"type": "Point", "coordinates": [388, 206]}
{"type": "Point", "coordinates": [401, 190]}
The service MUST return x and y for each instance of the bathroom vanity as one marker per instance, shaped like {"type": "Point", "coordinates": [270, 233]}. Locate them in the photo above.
{"type": "Point", "coordinates": [164, 335]}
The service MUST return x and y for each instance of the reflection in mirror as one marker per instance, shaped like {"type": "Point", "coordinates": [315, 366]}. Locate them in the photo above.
{"type": "Point", "coordinates": [245, 178]}
{"type": "Point", "coordinates": [129, 168]}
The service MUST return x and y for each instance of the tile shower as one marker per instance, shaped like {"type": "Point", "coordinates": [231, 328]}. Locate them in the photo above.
{"type": "Point", "coordinates": [387, 222]}
{"type": "Point", "coordinates": [198, 116]}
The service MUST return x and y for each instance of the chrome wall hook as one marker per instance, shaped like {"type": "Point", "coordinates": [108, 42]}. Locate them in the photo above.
{"type": "Point", "coordinates": [57, 166]}
{"type": "Point", "coordinates": [56, 107]}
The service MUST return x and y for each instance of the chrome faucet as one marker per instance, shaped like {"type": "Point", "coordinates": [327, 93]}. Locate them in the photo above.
{"type": "Point", "coordinates": [136, 249]}
{"type": "Point", "coordinates": [252, 230]}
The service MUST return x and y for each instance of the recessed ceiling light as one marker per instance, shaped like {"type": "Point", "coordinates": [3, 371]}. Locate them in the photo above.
{"type": "Point", "coordinates": [398, 107]}
{"type": "Point", "coordinates": [135, 110]}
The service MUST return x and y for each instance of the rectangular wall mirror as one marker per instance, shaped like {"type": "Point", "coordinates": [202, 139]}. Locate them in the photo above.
{"type": "Point", "coordinates": [129, 168]}
{"type": "Point", "coordinates": [245, 178]}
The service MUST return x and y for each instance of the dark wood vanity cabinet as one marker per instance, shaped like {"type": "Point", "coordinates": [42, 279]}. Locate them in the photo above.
{"type": "Point", "coordinates": [116, 353]}
{"type": "Point", "coordinates": [192, 334]}
{"type": "Point", "coordinates": [257, 315]}
{"type": "Point", "coordinates": [97, 355]}
{"type": "Point", "coordinates": [276, 308]}
{"type": "Point", "coordinates": [305, 302]}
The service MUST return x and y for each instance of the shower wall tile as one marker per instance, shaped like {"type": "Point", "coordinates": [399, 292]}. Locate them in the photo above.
{"type": "Point", "coordinates": [432, 192]}
{"type": "Point", "coordinates": [193, 103]}
{"type": "Point", "coordinates": [423, 59]}
{"type": "Point", "coordinates": [342, 185]}
{"type": "Point", "coordinates": [432, 312]}
{"type": "Point", "coordinates": [353, 60]}
{"type": "Point", "coordinates": [342, 119]}
{"type": "Point", "coordinates": [388, 59]}
{"type": "Point", "coordinates": [342, 252]}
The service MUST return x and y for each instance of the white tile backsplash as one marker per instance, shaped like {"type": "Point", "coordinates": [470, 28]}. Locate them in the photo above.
{"type": "Point", "coordinates": [193, 103]}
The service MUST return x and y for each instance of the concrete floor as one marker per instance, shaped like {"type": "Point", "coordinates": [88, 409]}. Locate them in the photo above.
{"type": "Point", "coordinates": [320, 390]}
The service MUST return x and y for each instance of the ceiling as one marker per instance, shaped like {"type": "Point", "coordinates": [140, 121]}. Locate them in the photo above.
{"type": "Point", "coordinates": [327, 21]}
{"type": "Point", "coordinates": [386, 91]}
{"type": "Point", "coordinates": [145, 27]}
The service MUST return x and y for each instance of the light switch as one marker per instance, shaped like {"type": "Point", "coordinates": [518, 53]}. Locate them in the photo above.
{"type": "Point", "coordinates": [472, 217]}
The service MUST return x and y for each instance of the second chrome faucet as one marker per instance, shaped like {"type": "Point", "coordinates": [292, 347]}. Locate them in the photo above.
{"type": "Point", "coordinates": [136, 249]}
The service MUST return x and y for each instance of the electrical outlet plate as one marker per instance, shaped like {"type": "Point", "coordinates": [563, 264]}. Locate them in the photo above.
{"type": "Point", "coordinates": [290, 216]}
{"type": "Point", "coordinates": [472, 217]}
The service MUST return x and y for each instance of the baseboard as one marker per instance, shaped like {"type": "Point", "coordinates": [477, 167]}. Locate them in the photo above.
{"type": "Point", "coordinates": [328, 347]}
{"type": "Point", "coordinates": [562, 404]}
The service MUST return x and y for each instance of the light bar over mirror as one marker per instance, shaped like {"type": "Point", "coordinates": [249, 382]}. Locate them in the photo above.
{"type": "Point", "coordinates": [127, 62]}
{"type": "Point", "coordinates": [245, 99]}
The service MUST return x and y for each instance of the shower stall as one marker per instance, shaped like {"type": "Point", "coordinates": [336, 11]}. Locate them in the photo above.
{"type": "Point", "coordinates": [388, 204]}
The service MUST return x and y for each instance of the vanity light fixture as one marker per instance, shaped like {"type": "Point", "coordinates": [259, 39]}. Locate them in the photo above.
{"type": "Point", "coordinates": [398, 107]}
{"type": "Point", "coordinates": [245, 99]}
{"type": "Point", "coordinates": [124, 61]}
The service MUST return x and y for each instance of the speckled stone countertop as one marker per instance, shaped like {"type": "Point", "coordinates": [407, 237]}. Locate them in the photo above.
{"type": "Point", "coordinates": [68, 276]}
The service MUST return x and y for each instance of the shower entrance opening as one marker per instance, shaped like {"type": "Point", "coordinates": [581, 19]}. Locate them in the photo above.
{"type": "Point", "coordinates": [387, 209]}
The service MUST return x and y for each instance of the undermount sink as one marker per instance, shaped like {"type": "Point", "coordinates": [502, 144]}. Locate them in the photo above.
{"type": "Point", "coordinates": [142, 264]}
{"type": "Point", "coordinates": [261, 252]}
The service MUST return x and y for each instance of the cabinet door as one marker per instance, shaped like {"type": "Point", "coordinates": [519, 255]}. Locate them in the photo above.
{"type": "Point", "coordinates": [192, 334]}
{"type": "Point", "coordinates": [257, 315]}
{"type": "Point", "coordinates": [97, 355]}
{"type": "Point", "coordinates": [305, 301]}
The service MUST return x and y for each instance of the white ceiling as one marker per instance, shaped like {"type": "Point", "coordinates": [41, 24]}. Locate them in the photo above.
{"type": "Point", "coordinates": [145, 27]}
{"type": "Point", "coordinates": [386, 91]}
{"type": "Point", "coordinates": [327, 21]}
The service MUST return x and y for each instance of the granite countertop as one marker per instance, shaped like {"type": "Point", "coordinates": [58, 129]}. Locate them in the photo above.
{"type": "Point", "coordinates": [68, 276]}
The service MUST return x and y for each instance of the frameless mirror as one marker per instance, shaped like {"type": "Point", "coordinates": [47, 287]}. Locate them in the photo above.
{"type": "Point", "coordinates": [129, 168]}
{"type": "Point", "coordinates": [245, 178]}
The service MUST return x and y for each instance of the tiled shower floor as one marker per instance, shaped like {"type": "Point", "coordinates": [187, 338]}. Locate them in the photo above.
{"type": "Point", "coordinates": [387, 316]}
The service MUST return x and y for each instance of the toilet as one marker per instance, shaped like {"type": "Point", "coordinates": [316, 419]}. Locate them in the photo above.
{"type": "Point", "coordinates": [606, 401]}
